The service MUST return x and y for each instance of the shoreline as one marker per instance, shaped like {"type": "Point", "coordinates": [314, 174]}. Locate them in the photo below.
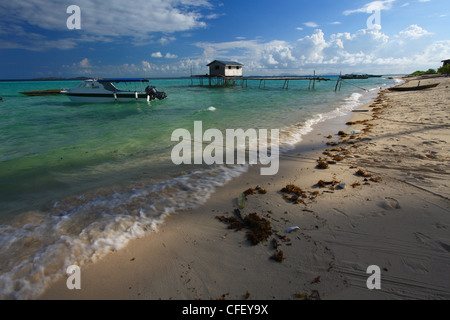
{"type": "Point", "coordinates": [199, 258]}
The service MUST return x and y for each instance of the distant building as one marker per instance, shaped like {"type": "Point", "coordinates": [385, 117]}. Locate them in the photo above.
{"type": "Point", "coordinates": [445, 62]}
{"type": "Point", "coordinates": [225, 68]}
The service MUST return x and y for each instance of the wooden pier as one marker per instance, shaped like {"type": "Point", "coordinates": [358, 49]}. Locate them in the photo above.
{"type": "Point", "coordinates": [222, 81]}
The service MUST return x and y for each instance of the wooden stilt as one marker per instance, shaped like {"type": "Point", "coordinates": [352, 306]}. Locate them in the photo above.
{"type": "Point", "coordinates": [314, 79]}
{"type": "Point", "coordinates": [337, 83]}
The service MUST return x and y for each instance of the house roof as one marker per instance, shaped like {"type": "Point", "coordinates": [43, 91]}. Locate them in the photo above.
{"type": "Point", "coordinates": [226, 63]}
{"type": "Point", "coordinates": [448, 60]}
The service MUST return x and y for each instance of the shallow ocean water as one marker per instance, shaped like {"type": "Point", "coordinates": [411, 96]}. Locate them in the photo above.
{"type": "Point", "coordinates": [78, 179]}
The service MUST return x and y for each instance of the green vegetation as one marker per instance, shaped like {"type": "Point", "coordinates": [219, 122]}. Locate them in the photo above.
{"type": "Point", "coordinates": [419, 73]}
{"type": "Point", "coordinates": [444, 70]}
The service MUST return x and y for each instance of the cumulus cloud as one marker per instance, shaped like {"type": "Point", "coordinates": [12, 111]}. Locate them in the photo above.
{"type": "Point", "coordinates": [157, 55]}
{"type": "Point", "coordinates": [84, 63]}
{"type": "Point", "coordinates": [104, 20]}
{"type": "Point", "coordinates": [414, 32]}
{"type": "Point", "coordinates": [370, 51]}
{"type": "Point", "coordinates": [170, 56]}
{"type": "Point", "coordinates": [365, 49]}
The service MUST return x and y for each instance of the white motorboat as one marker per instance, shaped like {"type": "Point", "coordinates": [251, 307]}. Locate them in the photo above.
{"type": "Point", "coordinates": [110, 90]}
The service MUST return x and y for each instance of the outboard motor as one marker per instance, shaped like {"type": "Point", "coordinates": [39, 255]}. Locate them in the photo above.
{"type": "Point", "coordinates": [153, 93]}
{"type": "Point", "coordinates": [161, 95]}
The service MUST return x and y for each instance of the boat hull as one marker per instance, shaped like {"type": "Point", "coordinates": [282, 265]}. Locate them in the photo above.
{"type": "Point", "coordinates": [109, 97]}
{"type": "Point", "coordinates": [430, 86]}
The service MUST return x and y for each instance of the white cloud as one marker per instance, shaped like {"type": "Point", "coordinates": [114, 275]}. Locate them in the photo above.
{"type": "Point", "coordinates": [170, 56]}
{"type": "Point", "coordinates": [166, 40]}
{"type": "Point", "coordinates": [414, 32]}
{"type": "Point", "coordinates": [311, 24]}
{"type": "Point", "coordinates": [157, 55]}
{"type": "Point", "coordinates": [84, 63]}
{"type": "Point", "coordinates": [102, 21]}
{"type": "Point", "coordinates": [372, 6]}
{"type": "Point", "coordinates": [370, 51]}
{"type": "Point", "coordinates": [362, 51]}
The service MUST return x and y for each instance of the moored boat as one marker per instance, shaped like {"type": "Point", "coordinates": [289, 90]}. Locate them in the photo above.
{"type": "Point", "coordinates": [107, 90]}
{"type": "Point", "coordinates": [355, 76]}
{"type": "Point", "coordinates": [49, 92]}
{"type": "Point", "coordinates": [415, 88]}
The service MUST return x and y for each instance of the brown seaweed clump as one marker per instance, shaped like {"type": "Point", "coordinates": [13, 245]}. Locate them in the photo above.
{"type": "Point", "coordinates": [322, 184]}
{"type": "Point", "coordinates": [375, 179]}
{"type": "Point", "coordinates": [361, 173]}
{"type": "Point", "coordinates": [290, 188]}
{"type": "Point", "coordinates": [233, 223]}
{"type": "Point", "coordinates": [297, 194]}
{"type": "Point", "coordinates": [252, 191]}
{"type": "Point", "coordinates": [322, 165]}
{"type": "Point", "coordinates": [278, 256]}
{"type": "Point", "coordinates": [259, 228]}
{"type": "Point", "coordinates": [356, 184]}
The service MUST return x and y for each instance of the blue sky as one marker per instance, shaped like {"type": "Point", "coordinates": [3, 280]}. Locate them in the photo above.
{"type": "Point", "coordinates": [169, 37]}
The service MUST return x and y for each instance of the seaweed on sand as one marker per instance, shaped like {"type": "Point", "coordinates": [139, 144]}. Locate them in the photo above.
{"type": "Point", "coordinates": [290, 188]}
{"type": "Point", "coordinates": [252, 191]}
{"type": "Point", "coordinates": [322, 184]}
{"type": "Point", "coordinates": [233, 223]}
{"type": "Point", "coordinates": [322, 165]}
{"type": "Point", "coordinates": [375, 179]}
{"type": "Point", "coordinates": [297, 194]}
{"type": "Point", "coordinates": [356, 184]}
{"type": "Point", "coordinates": [361, 173]}
{"type": "Point", "coordinates": [259, 228]}
{"type": "Point", "coordinates": [278, 256]}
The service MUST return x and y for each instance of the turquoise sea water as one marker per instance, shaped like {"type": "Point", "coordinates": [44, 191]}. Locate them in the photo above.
{"type": "Point", "coordinates": [77, 180]}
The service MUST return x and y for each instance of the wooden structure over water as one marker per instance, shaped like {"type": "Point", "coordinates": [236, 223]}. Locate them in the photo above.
{"type": "Point", "coordinates": [229, 74]}
{"type": "Point", "coordinates": [222, 81]}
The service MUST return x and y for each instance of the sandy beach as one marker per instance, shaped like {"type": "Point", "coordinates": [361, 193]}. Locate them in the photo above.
{"type": "Point", "coordinates": [384, 200]}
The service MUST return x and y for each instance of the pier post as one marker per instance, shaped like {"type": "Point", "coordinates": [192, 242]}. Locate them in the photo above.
{"type": "Point", "coordinates": [337, 83]}
{"type": "Point", "coordinates": [314, 79]}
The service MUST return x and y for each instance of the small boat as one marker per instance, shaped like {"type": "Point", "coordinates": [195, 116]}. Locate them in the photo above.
{"type": "Point", "coordinates": [419, 87]}
{"type": "Point", "coordinates": [355, 76]}
{"type": "Point", "coordinates": [107, 90]}
{"type": "Point", "coordinates": [49, 92]}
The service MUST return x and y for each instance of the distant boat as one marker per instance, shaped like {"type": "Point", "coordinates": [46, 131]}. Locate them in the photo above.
{"type": "Point", "coordinates": [104, 90]}
{"type": "Point", "coordinates": [49, 92]}
{"type": "Point", "coordinates": [355, 76]}
{"type": "Point", "coordinates": [429, 86]}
